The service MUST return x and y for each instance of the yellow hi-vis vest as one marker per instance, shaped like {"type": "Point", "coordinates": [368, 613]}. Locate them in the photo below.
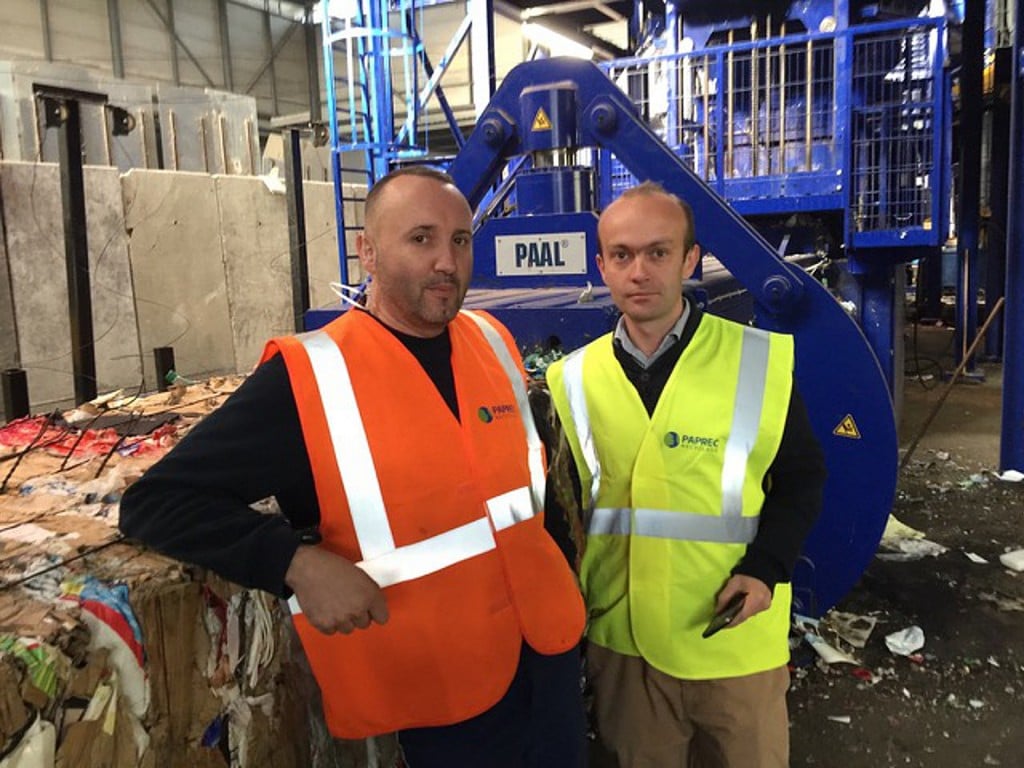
{"type": "Point", "coordinates": [672, 500]}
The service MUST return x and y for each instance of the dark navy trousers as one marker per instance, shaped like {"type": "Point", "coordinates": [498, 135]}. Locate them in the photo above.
{"type": "Point", "coordinates": [538, 723]}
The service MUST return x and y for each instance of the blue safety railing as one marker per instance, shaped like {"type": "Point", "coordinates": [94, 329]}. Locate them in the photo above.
{"type": "Point", "coordinates": [853, 123]}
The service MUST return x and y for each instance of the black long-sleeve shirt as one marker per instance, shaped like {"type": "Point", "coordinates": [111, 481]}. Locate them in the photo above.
{"type": "Point", "coordinates": [193, 504]}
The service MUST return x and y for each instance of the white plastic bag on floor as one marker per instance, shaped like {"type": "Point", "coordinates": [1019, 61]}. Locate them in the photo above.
{"type": "Point", "coordinates": [37, 748]}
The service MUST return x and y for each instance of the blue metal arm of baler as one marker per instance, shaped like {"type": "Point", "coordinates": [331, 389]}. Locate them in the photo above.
{"type": "Point", "coordinates": [836, 372]}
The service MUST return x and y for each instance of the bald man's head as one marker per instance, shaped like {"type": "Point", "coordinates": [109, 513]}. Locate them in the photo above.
{"type": "Point", "coordinates": [378, 191]}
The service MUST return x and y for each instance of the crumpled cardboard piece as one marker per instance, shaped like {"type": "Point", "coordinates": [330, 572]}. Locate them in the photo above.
{"type": "Point", "coordinates": [84, 680]}
{"type": "Point", "coordinates": [102, 739]}
{"type": "Point", "coordinates": [14, 715]}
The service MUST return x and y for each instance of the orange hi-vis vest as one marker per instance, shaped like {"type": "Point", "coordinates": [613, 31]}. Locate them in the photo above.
{"type": "Point", "coordinates": [444, 515]}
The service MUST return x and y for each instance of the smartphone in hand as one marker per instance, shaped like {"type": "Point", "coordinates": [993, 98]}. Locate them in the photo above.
{"type": "Point", "coordinates": [722, 619]}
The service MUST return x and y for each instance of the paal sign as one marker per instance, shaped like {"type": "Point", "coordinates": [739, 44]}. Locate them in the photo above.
{"type": "Point", "coordinates": [557, 253]}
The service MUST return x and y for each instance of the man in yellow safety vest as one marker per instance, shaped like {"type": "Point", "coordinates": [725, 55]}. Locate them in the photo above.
{"type": "Point", "coordinates": [699, 479]}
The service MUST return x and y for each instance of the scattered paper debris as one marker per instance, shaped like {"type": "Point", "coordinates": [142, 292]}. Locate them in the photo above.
{"type": "Point", "coordinates": [975, 558]}
{"type": "Point", "coordinates": [906, 641]}
{"type": "Point", "coordinates": [896, 530]}
{"type": "Point", "coordinates": [905, 543]}
{"type": "Point", "coordinates": [905, 550]}
{"type": "Point", "coordinates": [845, 719]}
{"type": "Point", "coordinates": [851, 627]}
{"type": "Point", "coordinates": [973, 480]}
{"type": "Point", "coordinates": [27, 533]}
{"type": "Point", "coordinates": [1011, 476]}
{"type": "Point", "coordinates": [1013, 560]}
{"type": "Point", "coordinates": [1002, 603]}
{"type": "Point", "coordinates": [805, 623]}
{"type": "Point", "coordinates": [828, 653]}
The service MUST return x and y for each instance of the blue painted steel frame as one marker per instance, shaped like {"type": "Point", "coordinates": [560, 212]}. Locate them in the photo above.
{"type": "Point", "coordinates": [830, 189]}
{"type": "Point", "coordinates": [1011, 448]}
{"type": "Point", "coordinates": [836, 372]}
{"type": "Point", "coordinates": [327, 52]}
{"type": "Point", "coordinates": [969, 203]}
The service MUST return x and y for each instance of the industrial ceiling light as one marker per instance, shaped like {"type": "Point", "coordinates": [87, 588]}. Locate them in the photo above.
{"type": "Point", "coordinates": [556, 43]}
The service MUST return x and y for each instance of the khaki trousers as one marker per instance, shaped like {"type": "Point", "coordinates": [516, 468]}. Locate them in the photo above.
{"type": "Point", "coordinates": [647, 719]}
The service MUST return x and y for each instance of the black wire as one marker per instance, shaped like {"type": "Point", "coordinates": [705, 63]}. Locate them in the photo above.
{"type": "Point", "coordinates": [120, 441]}
{"type": "Point", "coordinates": [920, 372]}
{"type": "Point", "coordinates": [87, 427]}
{"type": "Point", "coordinates": [82, 431]}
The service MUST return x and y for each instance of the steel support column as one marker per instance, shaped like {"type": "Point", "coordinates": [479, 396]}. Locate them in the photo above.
{"type": "Point", "coordinates": [225, 45]}
{"type": "Point", "coordinates": [998, 195]}
{"type": "Point", "coordinates": [268, 34]}
{"type": "Point", "coordinates": [377, 56]}
{"type": "Point", "coordinates": [313, 61]}
{"type": "Point", "coordinates": [970, 176]}
{"type": "Point", "coordinates": [44, 19]}
{"type": "Point", "coordinates": [116, 47]}
{"type": "Point", "coordinates": [169, 23]}
{"type": "Point", "coordinates": [295, 196]}
{"type": "Point", "coordinates": [1011, 448]}
{"type": "Point", "coordinates": [64, 115]}
{"type": "Point", "coordinates": [877, 292]}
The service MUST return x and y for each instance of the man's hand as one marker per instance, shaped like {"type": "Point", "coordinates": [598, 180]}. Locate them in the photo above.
{"type": "Point", "coordinates": [759, 597]}
{"type": "Point", "coordinates": [335, 596]}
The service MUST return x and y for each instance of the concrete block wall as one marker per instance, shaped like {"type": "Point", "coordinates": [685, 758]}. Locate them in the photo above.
{"type": "Point", "coordinates": [197, 262]}
{"type": "Point", "coordinates": [178, 270]}
{"type": "Point", "coordinates": [33, 254]}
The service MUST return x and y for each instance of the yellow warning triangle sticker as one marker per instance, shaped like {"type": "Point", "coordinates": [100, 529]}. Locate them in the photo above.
{"type": "Point", "coordinates": [847, 428]}
{"type": "Point", "coordinates": [541, 121]}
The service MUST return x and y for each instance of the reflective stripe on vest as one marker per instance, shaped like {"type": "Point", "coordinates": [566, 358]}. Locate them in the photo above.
{"type": "Point", "coordinates": [533, 445]}
{"type": "Point", "coordinates": [663, 524]}
{"type": "Point", "coordinates": [573, 378]}
{"type": "Point", "coordinates": [732, 526]}
{"type": "Point", "coordinates": [385, 563]}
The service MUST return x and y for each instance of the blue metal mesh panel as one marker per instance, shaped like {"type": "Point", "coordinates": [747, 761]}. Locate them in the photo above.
{"type": "Point", "coordinates": [740, 112]}
{"type": "Point", "coordinates": [636, 80]}
{"type": "Point", "coordinates": [848, 122]}
{"type": "Point", "coordinates": [893, 130]}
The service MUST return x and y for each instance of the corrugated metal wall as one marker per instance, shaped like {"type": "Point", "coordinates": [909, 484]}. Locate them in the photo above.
{"type": "Point", "coordinates": [181, 42]}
